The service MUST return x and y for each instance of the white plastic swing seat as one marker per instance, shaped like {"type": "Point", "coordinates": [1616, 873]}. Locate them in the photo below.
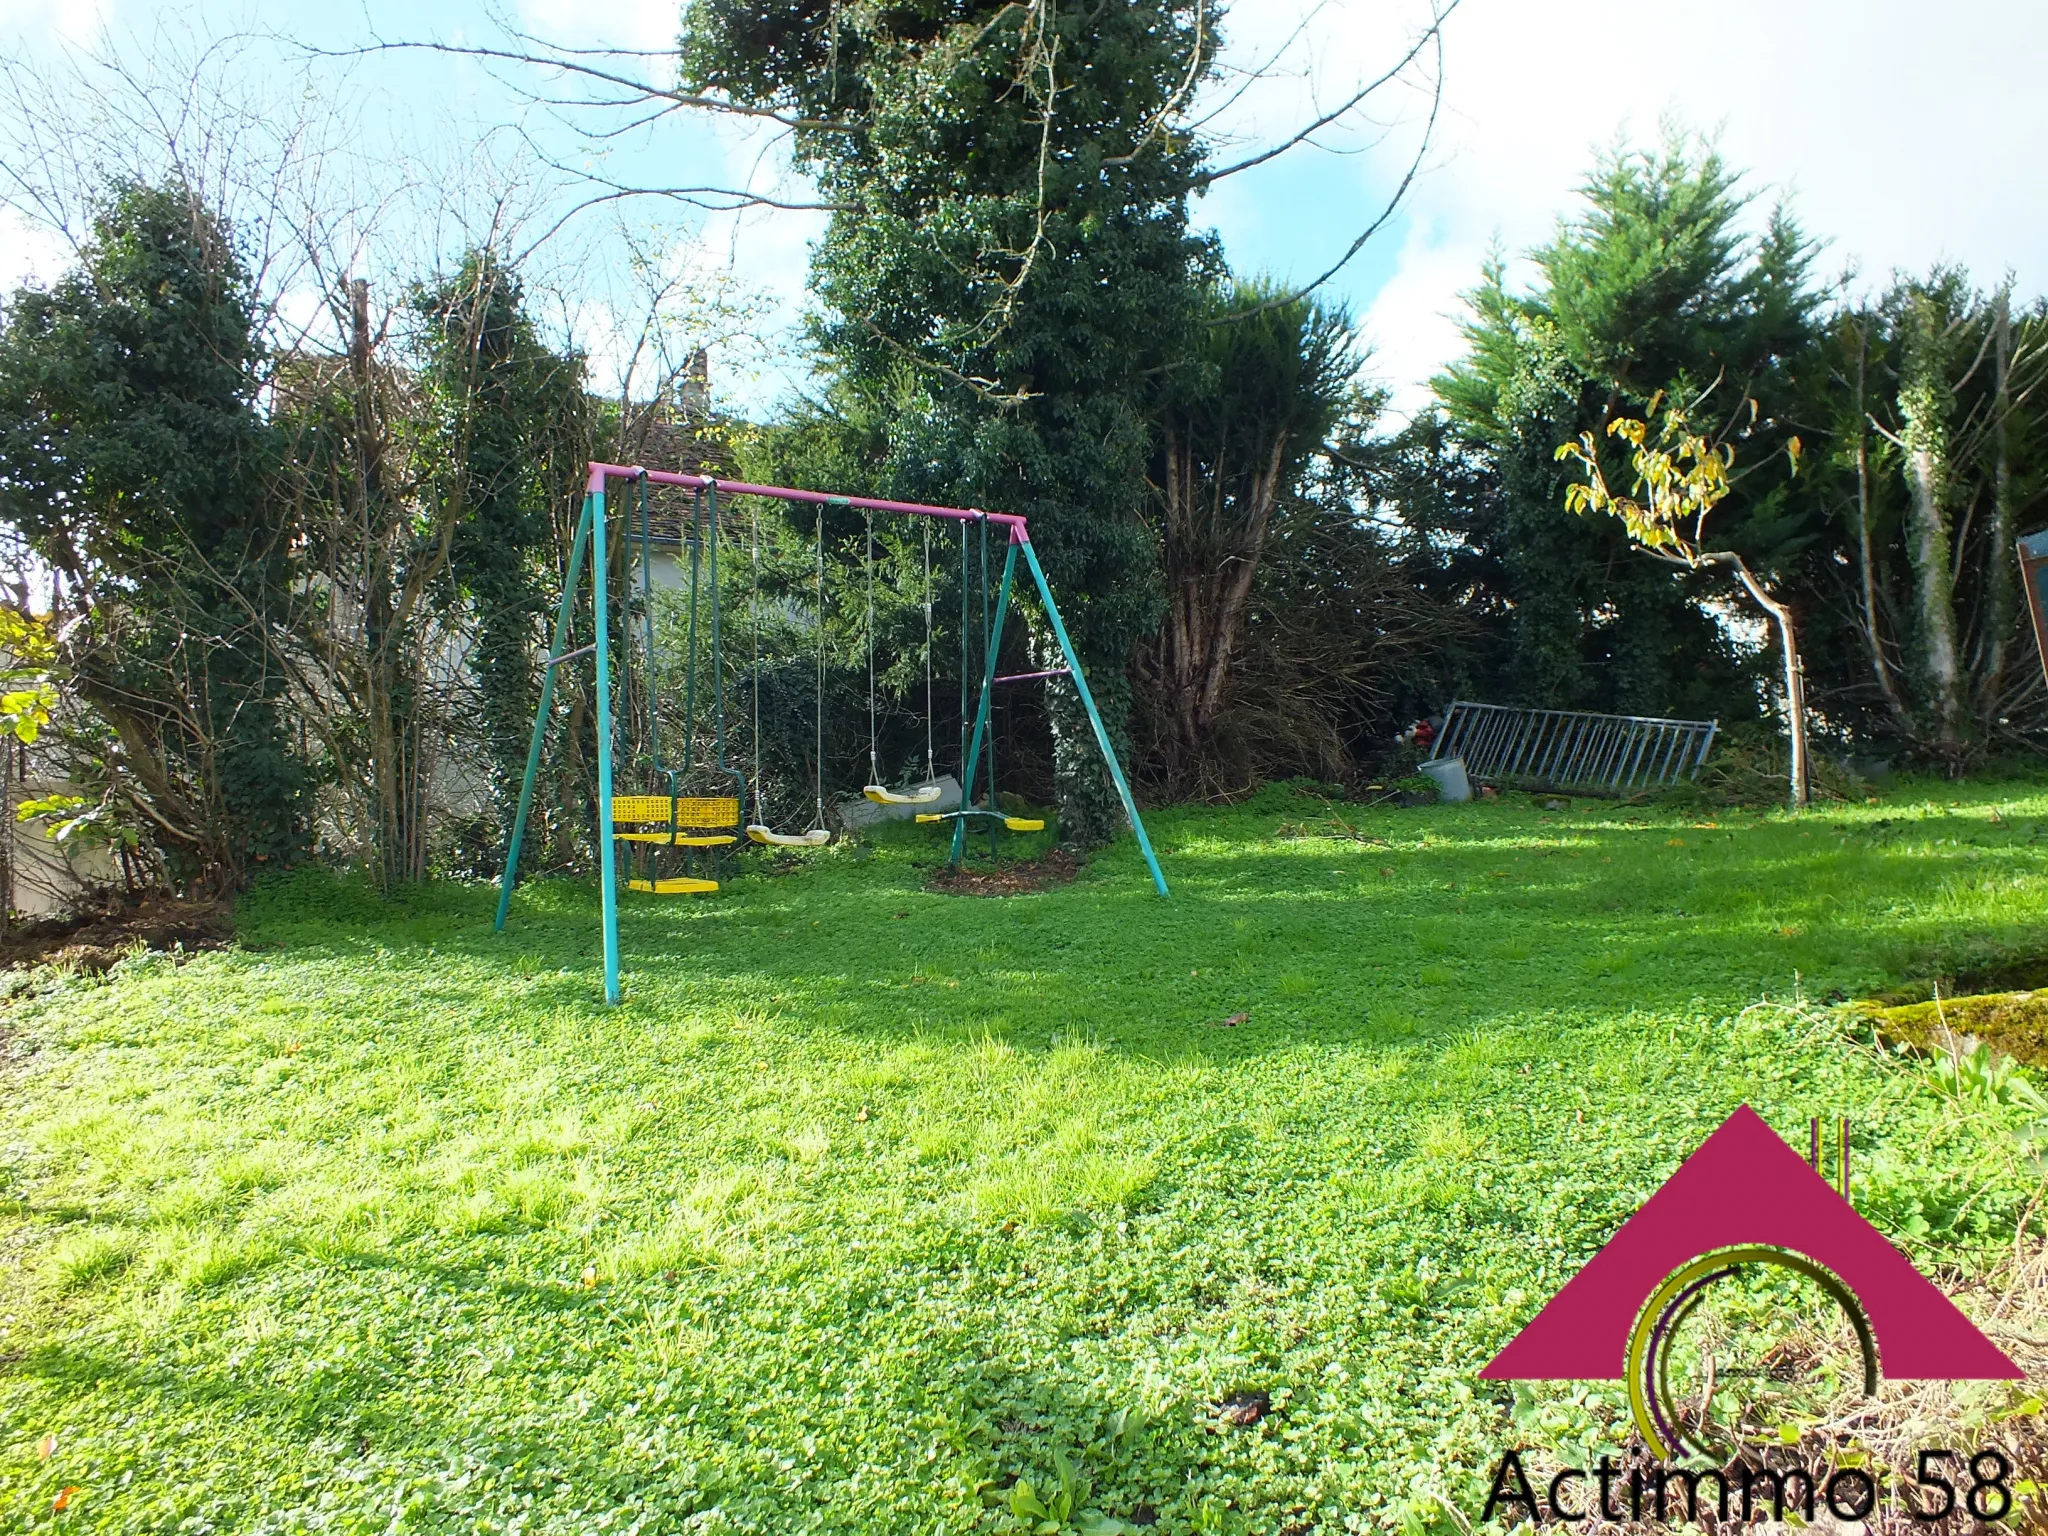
{"type": "Point", "coordinates": [817, 837]}
{"type": "Point", "coordinates": [924, 794]}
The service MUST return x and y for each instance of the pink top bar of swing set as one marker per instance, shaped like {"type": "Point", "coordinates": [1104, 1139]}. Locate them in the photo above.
{"type": "Point", "coordinates": [599, 473]}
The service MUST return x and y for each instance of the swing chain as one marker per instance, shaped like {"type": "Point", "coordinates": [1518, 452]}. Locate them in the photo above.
{"type": "Point", "coordinates": [874, 752]}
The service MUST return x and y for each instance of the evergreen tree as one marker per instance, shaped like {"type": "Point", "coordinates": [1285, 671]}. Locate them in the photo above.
{"type": "Point", "coordinates": [135, 463]}
{"type": "Point", "coordinates": [1652, 288]}
{"type": "Point", "coordinates": [1013, 184]}
{"type": "Point", "coordinates": [1931, 439]}
{"type": "Point", "coordinates": [509, 434]}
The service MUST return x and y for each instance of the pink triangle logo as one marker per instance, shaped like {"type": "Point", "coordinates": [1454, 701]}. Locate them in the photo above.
{"type": "Point", "coordinates": [1746, 1196]}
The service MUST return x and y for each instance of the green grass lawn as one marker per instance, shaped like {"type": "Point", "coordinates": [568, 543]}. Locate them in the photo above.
{"type": "Point", "coordinates": [869, 1201]}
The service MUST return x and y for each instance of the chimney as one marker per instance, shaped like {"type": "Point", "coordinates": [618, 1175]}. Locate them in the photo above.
{"type": "Point", "coordinates": [694, 395]}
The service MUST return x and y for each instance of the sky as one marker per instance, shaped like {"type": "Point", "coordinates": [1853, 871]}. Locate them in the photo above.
{"type": "Point", "coordinates": [1903, 133]}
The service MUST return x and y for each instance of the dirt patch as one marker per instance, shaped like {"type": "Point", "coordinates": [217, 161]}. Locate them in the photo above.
{"type": "Point", "coordinates": [1020, 878]}
{"type": "Point", "coordinates": [2014, 1023]}
{"type": "Point", "coordinates": [92, 941]}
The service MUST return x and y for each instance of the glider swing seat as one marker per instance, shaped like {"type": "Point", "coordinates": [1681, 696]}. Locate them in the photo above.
{"type": "Point", "coordinates": [708, 823]}
{"type": "Point", "coordinates": [647, 823]}
{"type": "Point", "coordinates": [874, 789]}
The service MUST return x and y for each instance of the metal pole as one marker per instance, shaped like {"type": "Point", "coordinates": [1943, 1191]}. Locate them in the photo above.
{"type": "Point", "coordinates": [1706, 746]}
{"type": "Point", "coordinates": [607, 860]}
{"type": "Point", "coordinates": [1116, 772]}
{"type": "Point", "coordinates": [1448, 734]}
{"type": "Point", "coordinates": [540, 716]}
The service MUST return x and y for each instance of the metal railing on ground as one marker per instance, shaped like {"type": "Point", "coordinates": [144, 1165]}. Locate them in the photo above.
{"type": "Point", "coordinates": [1567, 750]}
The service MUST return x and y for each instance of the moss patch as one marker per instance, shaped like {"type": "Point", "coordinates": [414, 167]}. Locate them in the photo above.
{"type": "Point", "coordinates": [2013, 1022]}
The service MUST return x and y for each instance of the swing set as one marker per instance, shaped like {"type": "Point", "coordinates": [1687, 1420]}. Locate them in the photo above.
{"type": "Point", "coordinates": [699, 826]}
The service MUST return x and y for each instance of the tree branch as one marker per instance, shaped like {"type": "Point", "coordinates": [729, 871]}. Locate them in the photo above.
{"type": "Point", "coordinates": [1433, 33]}
{"type": "Point", "coordinates": [565, 60]}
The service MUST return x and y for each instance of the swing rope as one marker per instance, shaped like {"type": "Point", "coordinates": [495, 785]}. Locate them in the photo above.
{"type": "Point", "coordinates": [818, 745]}
{"type": "Point", "coordinates": [690, 674]}
{"type": "Point", "coordinates": [876, 791]}
{"type": "Point", "coordinates": [966, 664]}
{"type": "Point", "coordinates": [874, 753]}
{"type": "Point", "coordinates": [986, 629]}
{"type": "Point", "coordinates": [758, 830]}
{"type": "Point", "coordinates": [754, 612]}
{"type": "Point", "coordinates": [931, 762]}
{"type": "Point", "coordinates": [717, 650]}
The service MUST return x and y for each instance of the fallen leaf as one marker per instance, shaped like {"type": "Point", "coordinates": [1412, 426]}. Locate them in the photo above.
{"type": "Point", "coordinates": [1674, 842]}
{"type": "Point", "coordinates": [590, 1277]}
{"type": "Point", "coordinates": [47, 1447]}
{"type": "Point", "coordinates": [63, 1500]}
{"type": "Point", "coordinates": [293, 1049]}
{"type": "Point", "coordinates": [1245, 1408]}
{"type": "Point", "coordinates": [863, 1113]}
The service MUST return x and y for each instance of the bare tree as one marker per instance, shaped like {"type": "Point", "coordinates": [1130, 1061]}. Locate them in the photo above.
{"type": "Point", "coordinates": [601, 96]}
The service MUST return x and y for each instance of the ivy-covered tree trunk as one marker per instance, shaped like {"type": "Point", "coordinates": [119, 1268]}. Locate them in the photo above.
{"type": "Point", "coordinates": [134, 460]}
{"type": "Point", "coordinates": [1090, 812]}
{"type": "Point", "coordinates": [1009, 270]}
{"type": "Point", "coordinates": [2002, 573]}
{"type": "Point", "coordinates": [1926, 403]}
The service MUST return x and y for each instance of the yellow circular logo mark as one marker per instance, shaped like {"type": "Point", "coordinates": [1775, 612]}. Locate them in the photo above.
{"type": "Point", "coordinates": [1657, 1326]}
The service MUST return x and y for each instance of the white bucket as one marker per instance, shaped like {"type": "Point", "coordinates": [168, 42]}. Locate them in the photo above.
{"type": "Point", "coordinates": [1449, 773]}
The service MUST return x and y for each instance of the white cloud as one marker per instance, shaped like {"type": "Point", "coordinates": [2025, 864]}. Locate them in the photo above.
{"type": "Point", "coordinates": [70, 21]}
{"type": "Point", "coordinates": [1412, 325]}
{"type": "Point", "coordinates": [650, 24]}
{"type": "Point", "coordinates": [1905, 132]}
{"type": "Point", "coordinates": [29, 252]}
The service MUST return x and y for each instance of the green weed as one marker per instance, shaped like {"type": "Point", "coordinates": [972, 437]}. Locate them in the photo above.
{"type": "Point", "coordinates": [975, 1218]}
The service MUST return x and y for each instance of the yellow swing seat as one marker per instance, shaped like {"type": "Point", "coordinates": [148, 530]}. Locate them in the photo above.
{"type": "Point", "coordinates": [817, 837]}
{"type": "Point", "coordinates": [1014, 823]}
{"type": "Point", "coordinates": [691, 821]}
{"type": "Point", "coordinates": [680, 886]}
{"type": "Point", "coordinates": [924, 794]}
{"type": "Point", "coordinates": [685, 821]}
{"type": "Point", "coordinates": [716, 840]}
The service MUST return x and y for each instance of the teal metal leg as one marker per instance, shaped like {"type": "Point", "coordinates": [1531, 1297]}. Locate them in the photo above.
{"type": "Point", "coordinates": [607, 853]}
{"type": "Point", "coordinates": [988, 679]}
{"type": "Point", "coordinates": [540, 716]}
{"type": "Point", "coordinates": [1116, 772]}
